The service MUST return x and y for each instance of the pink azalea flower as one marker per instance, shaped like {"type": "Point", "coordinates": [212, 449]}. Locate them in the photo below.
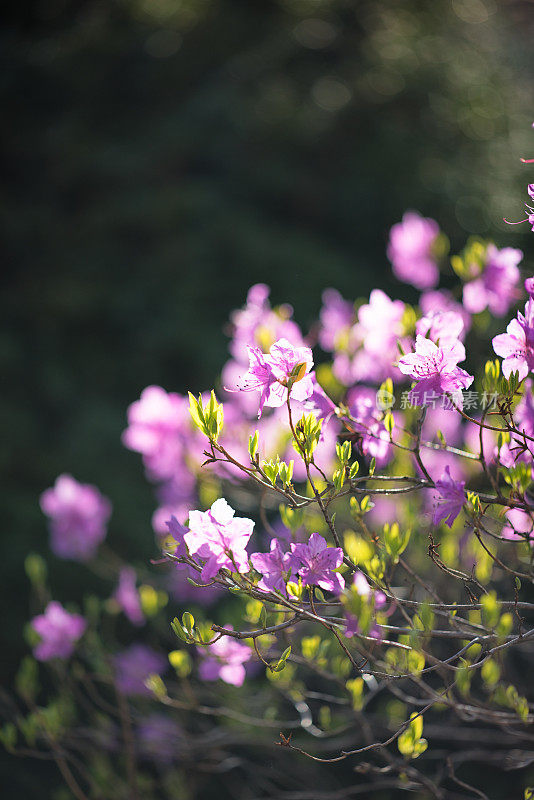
{"type": "Point", "coordinates": [224, 659]}
{"type": "Point", "coordinates": [161, 515]}
{"type": "Point", "coordinates": [372, 343]}
{"type": "Point", "coordinates": [179, 586]}
{"type": "Point", "coordinates": [380, 323]}
{"type": "Point", "coordinates": [272, 373]}
{"type": "Point", "coordinates": [337, 317]}
{"type": "Point", "coordinates": [219, 538]}
{"type": "Point", "coordinates": [524, 413]}
{"type": "Point", "coordinates": [443, 300]}
{"type": "Point", "coordinates": [127, 596]}
{"type": "Point", "coordinates": [445, 327]}
{"type": "Point", "coordinates": [177, 494]}
{"type": "Point", "coordinates": [159, 427]}
{"type": "Point", "coordinates": [78, 516]}
{"type": "Point", "coordinates": [134, 665]}
{"type": "Point", "coordinates": [510, 454]}
{"type": "Point", "coordinates": [315, 562]}
{"type": "Point", "coordinates": [496, 289]}
{"type": "Point", "coordinates": [410, 249]}
{"type": "Point", "coordinates": [178, 531]}
{"type": "Point", "coordinates": [59, 632]}
{"type": "Point", "coordinates": [436, 371]}
{"type": "Point", "coordinates": [516, 346]}
{"type": "Point", "coordinates": [450, 500]}
{"type": "Point", "coordinates": [259, 377]}
{"type": "Point", "coordinates": [259, 325]}
{"type": "Point", "coordinates": [274, 567]}
{"type": "Point", "coordinates": [519, 526]}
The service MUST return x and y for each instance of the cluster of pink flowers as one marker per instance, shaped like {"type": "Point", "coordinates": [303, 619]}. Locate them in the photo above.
{"type": "Point", "coordinates": [225, 659]}
{"type": "Point", "coordinates": [271, 366]}
{"type": "Point", "coordinates": [159, 427]}
{"type": "Point", "coordinates": [367, 421]}
{"type": "Point", "coordinates": [259, 325]}
{"type": "Point", "coordinates": [411, 250]}
{"type": "Point", "coordinates": [372, 348]}
{"type": "Point", "coordinates": [58, 632]}
{"type": "Point", "coordinates": [256, 325]}
{"type": "Point", "coordinates": [314, 562]}
{"type": "Point", "coordinates": [497, 287]}
{"type": "Point", "coordinates": [78, 516]}
{"type": "Point", "coordinates": [219, 539]}
{"type": "Point", "coordinates": [274, 567]}
{"type": "Point", "coordinates": [516, 346]}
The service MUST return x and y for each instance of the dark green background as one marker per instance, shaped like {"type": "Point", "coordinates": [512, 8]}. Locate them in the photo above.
{"type": "Point", "coordinates": [159, 158]}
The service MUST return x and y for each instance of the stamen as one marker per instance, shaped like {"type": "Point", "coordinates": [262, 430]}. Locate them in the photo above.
{"type": "Point", "coordinates": [514, 223]}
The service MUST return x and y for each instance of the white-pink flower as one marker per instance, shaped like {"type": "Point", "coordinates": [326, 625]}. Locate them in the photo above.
{"type": "Point", "coordinates": [225, 659]}
{"type": "Point", "coordinates": [220, 538]}
{"type": "Point", "coordinates": [283, 369]}
{"type": "Point", "coordinates": [436, 371]}
{"type": "Point", "coordinates": [516, 346]}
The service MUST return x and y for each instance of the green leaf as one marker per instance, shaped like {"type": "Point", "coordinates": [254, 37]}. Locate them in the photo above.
{"type": "Point", "coordinates": [285, 655]}
{"type": "Point", "coordinates": [155, 684]}
{"type": "Point", "coordinates": [253, 445]}
{"type": "Point", "coordinates": [188, 621]}
{"type": "Point", "coordinates": [410, 743]}
{"type": "Point", "coordinates": [319, 595]}
{"type": "Point", "coordinates": [178, 630]}
{"type": "Point", "coordinates": [354, 469]}
{"type": "Point", "coordinates": [195, 409]}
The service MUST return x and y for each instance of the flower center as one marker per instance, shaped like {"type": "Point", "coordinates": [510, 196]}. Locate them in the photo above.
{"type": "Point", "coordinates": [430, 367]}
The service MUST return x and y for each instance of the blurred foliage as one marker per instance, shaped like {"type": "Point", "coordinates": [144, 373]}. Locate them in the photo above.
{"type": "Point", "coordinates": [160, 156]}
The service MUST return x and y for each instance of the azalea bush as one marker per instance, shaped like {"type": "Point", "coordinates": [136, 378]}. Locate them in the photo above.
{"type": "Point", "coordinates": [343, 557]}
